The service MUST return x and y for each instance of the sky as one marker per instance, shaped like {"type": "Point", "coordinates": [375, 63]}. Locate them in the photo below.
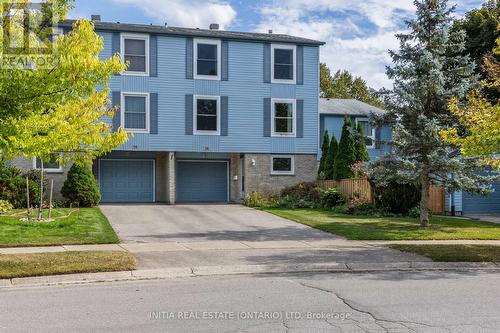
{"type": "Point", "coordinates": [358, 33]}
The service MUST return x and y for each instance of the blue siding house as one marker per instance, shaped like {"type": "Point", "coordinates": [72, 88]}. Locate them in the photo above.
{"type": "Point", "coordinates": [332, 113]}
{"type": "Point", "coordinates": [378, 142]}
{"type": "Point", "coordinates": [211, 114]}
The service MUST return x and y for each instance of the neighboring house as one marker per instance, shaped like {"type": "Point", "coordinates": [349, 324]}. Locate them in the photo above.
{"type": "Point", "coordinates": [466, 204]}
{"type": "Point", "coordinates": [212, 114]}
{"type": "Point", "coordinates": [332, 112]}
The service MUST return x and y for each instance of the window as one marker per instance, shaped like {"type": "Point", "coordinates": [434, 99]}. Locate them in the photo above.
{"type": "Point", "coordinates": [207, 59]}
{"type": "Point", "coordinates": [283, 117]}
{"type": "Point", "coordinates": [135, 49]}
{"type": "Point", "coordinates": [282, 165]}
{"type": "Point", "coordinates": [207, 115]}
{"type": "Point", "coordinates": [135, 112]}
{"type": "Point", "coordinates": [368, 131]}
{"type": "Point", "coordinates": [283, 63]}
{"type": "Point", "coordinates": [51, 165]}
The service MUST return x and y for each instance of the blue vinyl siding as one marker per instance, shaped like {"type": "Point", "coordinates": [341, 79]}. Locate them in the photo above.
{"type": "Point", "coordinates": [245, 91]}
{"type": "Point", "coordinates": [334, 123]}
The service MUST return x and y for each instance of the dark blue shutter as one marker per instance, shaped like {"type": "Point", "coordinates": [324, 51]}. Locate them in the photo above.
{"type": "Point", "coordinates": [224, 61]}
{"type": "Point", "coordinates": [116, 101]}
{"type": "Point", "coordinates": [189, 114]}
{"type": "Point", "coordinates": [300, 64]}
{"type": "Point", "coordinates": [267, 117]}
{"type": "Point", "coordinates": [378, 140]}
{"type": "Point", "coordinates": [300, 118]}
{"type": "Point", "coordinates": [115, 44]}
{"type": "Point", "coordinates": [189, 58]}
{"type": "Point", "coordinates": [267, 63]}
{"type": "Point", "coordinates": [153, 113]}
{"type": "Point", "coordinates": [224, 115]}
{"type": "Point", "coordinates": [153, 55]}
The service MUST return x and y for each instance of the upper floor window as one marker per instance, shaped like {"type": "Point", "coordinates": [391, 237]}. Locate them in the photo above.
{"type": "Point", "coordinates": [283, 117]}
{"type": "Point", "coordinates": [368, 131]}
{"type": "Point", "coordinates": [135, 51]}
{"type": "Point", "coordinates": [282, 165]}
{"type": "Point", "coordinates": [207, 59]}
{"type": "Point", "coordinates": [283, 63]}
{"type": "Point", "coordinates": [207, 115]}
{"type": "Point", "coordinates": [135, 112]}
{"type": "Point", "coordinates": [50, 165]}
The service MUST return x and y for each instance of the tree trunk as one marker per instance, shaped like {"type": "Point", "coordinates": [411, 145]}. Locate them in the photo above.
{"type": "Point", "coordinates": [424, 201]}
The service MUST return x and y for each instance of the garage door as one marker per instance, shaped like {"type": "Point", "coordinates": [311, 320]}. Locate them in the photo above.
{"type": "Point", "coordinates": [126, 180]}
{"type": "Point", "coordinates": [476, 204]}
{"type": "Point", "coordinates": [205, 181]}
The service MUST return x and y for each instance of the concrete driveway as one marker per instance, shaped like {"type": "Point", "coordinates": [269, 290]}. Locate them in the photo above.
{"type": "Point", "coordinates": [194, 236]}
{"type": "Point", "coordinates": [195, 223]}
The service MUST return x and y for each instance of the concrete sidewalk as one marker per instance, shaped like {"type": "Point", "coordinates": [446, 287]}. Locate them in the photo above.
{"type": "Point", "coordinates": [234, 245]}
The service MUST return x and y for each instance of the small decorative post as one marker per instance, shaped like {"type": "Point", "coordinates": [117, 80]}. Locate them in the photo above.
{"type": "Point", "coordinates": [50, 197]}
{"type": "Point", "coordinates": [41, 190]}
{"type": "Point", "coordinates": [28, 196]}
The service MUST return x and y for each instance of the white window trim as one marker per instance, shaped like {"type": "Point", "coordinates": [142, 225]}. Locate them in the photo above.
{"type": "Point", "coordinates": [294, 112]}
{"type": "Point", "coordinates": [217, 42]}
{"type": "Point", "coordinates": [122, 112]}
{"type": "Point", "coordinates": [48, 170]}
{"type": "Point", "coordinates": [124, 36]}
{"type": "Point", "coordinates": [294, 57]}
{"type": "Point", "coordinates": [195, 114]}
{"type": "Point", "coordinates": [283, 173]}
{"type": "Point", "coordinates": [373, 136]}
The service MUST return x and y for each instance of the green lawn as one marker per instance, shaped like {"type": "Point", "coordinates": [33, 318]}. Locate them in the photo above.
{"type": "Point", "coordinates": [454, 253]}
{"type": "Point", "coordinates": [390, 228]}
{"type": "Point", "coordinates": [37, 264]}
{"type": "Point", "coordinates": [88, 226]}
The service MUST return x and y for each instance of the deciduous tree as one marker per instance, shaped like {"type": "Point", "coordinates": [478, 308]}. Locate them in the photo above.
{"type": "Point", "coordinates": [58, 108]}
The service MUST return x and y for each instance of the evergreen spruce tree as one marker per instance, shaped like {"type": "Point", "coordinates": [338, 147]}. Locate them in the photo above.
{"type": "Point", "coordinates": [330, 159]}
{"type": "Point", "coordinates": [324, 154]}
{"type": "Point", "coordinates": [360, 144]}
{"type": "Point", "coordinates": [429, 69]}
{"type": "Point", "coordinates": [346, 153]}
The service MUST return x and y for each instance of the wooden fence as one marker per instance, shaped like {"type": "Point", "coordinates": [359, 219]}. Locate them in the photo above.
{"type": "Point", "coordinates": [362, 187]}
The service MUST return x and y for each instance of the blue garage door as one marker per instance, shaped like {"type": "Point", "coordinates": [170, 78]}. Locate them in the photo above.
{"type": "Point", "coordinates": [202, 181]}
{"type": "Point", "coordinates": [476, 204]}
{"type": "Point", "coordinates": [126, 180]}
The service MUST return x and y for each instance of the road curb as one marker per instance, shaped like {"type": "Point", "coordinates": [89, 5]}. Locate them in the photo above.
{"type": "Point", "coordinates": [158, 274]}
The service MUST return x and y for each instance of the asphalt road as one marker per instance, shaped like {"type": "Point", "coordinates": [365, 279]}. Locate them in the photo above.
{"type": "Point", "coordinates": [382, 302]}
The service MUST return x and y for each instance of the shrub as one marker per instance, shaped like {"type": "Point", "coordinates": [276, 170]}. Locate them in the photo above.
{"type": "Point", "coordinates": [359, 205]}
{"type": "Point", "coordinates": [13, 187]}
{"type": "Point", "coordinates": [397, 198]}
{"type": "Point", "coordinates": [289, 202]}
{"type": "Point", "coordinates": [5, 206]}
{"type": "Point", "coordinates": [307, 191]}
{"type": "Point", "coordinates": [81, 187]}
{"type": "Point", "coordinates": [259, 200]}
{"type": "Point", "coordinates": [331, 198]}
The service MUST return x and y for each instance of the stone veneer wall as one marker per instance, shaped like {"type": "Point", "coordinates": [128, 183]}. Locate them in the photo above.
{"type": "Point", "coordinates": [59, 177]}
{"type": "Point", "coordinates": [258, 178]}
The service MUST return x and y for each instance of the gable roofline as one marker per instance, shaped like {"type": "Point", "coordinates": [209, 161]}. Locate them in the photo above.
{"type": "Point", "coordinates": [191, 32]}
{"type": "Point", "coordinates": [350, 107]}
